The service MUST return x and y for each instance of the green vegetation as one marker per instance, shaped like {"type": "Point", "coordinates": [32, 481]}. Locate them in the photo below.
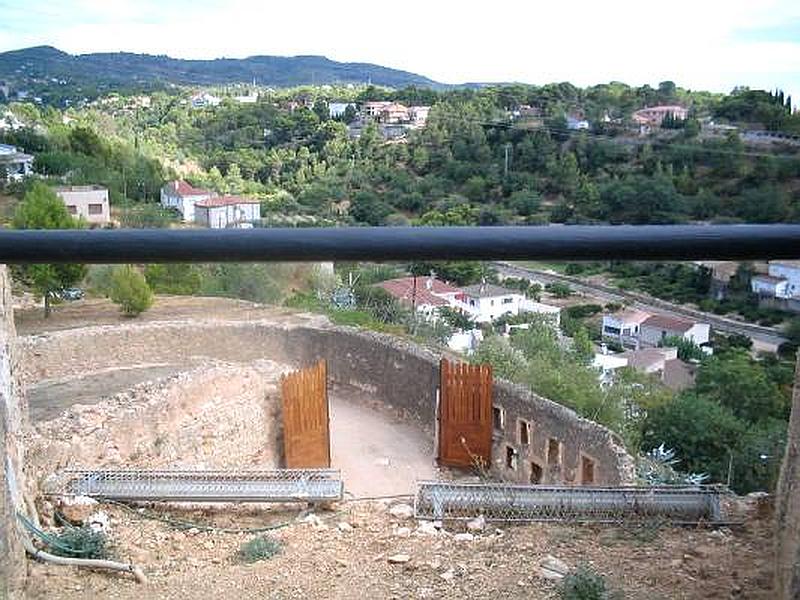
{"type": "Point", "coordinates": [42, 209]}
{"type": "Point", "coordinates": [260, 548]}
{"type": "Point", "coordinates": [585, 584]}
{"type": "Point", "coordinates": [129, 289]}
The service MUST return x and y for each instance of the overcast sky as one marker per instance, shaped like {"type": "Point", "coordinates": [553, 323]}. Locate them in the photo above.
{"type": "Point", "coordinates": [699, 44]}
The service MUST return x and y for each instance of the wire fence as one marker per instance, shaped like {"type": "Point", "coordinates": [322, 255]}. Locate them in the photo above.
{"type": "Point", "coordinates": [275, 485]}
{"type": "Point", "coordinates": [506, 502]}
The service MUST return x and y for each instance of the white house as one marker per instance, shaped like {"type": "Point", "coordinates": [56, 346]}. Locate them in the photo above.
{"type": "Point", "coordinates": [89, 202]}
{"type": "Point", "coordinates": [788, 270]}
{"type": "Point", "coordinates": [486, 302]}
{"type": "Point", "coordinates": [182, 197]}
{"type": "Point", "coordinates": [575, 124]}
{"type": "Point", "coordinates": [222, 212]}
{"type": "Point", "coordinates": [418, 115]}
{"type": "Point", "coordinates": [14, 164]}
{"type": "Point", "coordinates": [657, 327]}
{"type": "Point", "coordinates": [772, 287]}
{"type": "Point", "coordinates": [204, 100]}
{"type": "Point", "coordinates": [624, 327]}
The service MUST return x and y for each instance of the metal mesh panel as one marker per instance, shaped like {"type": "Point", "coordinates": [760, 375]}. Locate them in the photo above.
{"type": "Point", "coordinates": [278, 485]}
{"type": "Point", "coordinates": [506, 502]}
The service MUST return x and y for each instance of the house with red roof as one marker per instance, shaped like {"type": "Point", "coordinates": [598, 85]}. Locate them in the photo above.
{"type": "Point", "coordinates": [182, 197]}
{"type": "Point", "coordinates": [425, 294]}
{"type": "Point", "coordinates": [656, 328]}
{"type": "Point", "coordinates": [223, 212]}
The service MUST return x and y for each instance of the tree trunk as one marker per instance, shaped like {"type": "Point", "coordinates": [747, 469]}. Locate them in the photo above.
{"type": "Point", "coordinates": [46, 304]}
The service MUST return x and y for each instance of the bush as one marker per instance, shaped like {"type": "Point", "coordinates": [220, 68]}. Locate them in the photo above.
{"type": "Point", "coordinates": [581, 311]}
{"type": "Point", "coordinates": [260, 548]}
{"type": "Point", "coordinates": [585, 584]}
{"type": "Point", "coordinates": [129, 289]}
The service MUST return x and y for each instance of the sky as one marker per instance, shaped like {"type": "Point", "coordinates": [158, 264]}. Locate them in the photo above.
{"type": "Point", "coordinates": [700, 44]}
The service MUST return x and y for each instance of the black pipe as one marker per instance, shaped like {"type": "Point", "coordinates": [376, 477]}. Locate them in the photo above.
{"type": "Point", "coordinates": [649, 242]}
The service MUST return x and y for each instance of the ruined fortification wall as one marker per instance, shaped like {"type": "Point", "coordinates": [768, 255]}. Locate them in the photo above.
{"type": "Point", "coordinates": [787, 508]}
{"type": "Point", "coordinates": [400, 374]}
{"type": "Point", "coordinates": [207, 417]}
{"type": "Point", "coordinates": [13, 420]}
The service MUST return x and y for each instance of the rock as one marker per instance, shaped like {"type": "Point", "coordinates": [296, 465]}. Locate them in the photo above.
{"type": "Point", "coordinates": [477, 524]}
{"type": "Point", "coordinates": [344, 527]}
{"type": "Point", "coordinates": [676, 563]}
{"type": "Point", "coordinates": [402, 532]}
{"type": "Point", "coordinates": [701, 551]}
{"type": "Point", "coordinates": [314, 521]}
{"type": "Point", "coordinates": [427, 528]}
{"type": "Point", "coordinates": [402, 511]}
{"type": "Point", "coordinates": [192, 531]}
{"type": "Point", "coordinates": [99, 522]}
{"type": "Point", "coordinates": [448, 575]}
{"type": "Point", "coordinates": [77, 509]}
{"type": "Point", "coordinates": [398, 559]}
{"type": "Point", "coordinates": [551, 567]}
{"type": "Point", "coordinates": [463, 537]}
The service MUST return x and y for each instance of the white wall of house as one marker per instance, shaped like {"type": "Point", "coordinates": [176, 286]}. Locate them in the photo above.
{"type": "Point", "coordinates": [770, 287]}
{"type": "Point", "coordinates": [788, 272]}
{"type": "Point", "coordinates": [621, 330]}
{"type": "Point", "coordinates": [87, 202]}
{"type": "Point", "coordinates": [487, 309]}
{"type": "Point", "coordinates": [699, 333]}
{"type": "Point", "coordinates": [183, 204]}
{"type": "Point", "coordinates": [220, 217]}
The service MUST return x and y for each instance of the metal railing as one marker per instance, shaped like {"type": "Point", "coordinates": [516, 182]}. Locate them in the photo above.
{"type": "Point", "coordinates": [441, 500]}
{"type": "Point", "coordinates": [648, 242]}
{"type": "Point", "coordinates": [230, 485]}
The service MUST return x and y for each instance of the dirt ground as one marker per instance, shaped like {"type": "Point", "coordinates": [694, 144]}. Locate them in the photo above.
{"type": "Point", "coordinates": [325, 559]}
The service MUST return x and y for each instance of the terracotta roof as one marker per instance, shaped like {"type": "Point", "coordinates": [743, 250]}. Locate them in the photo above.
{"type": "Point", "coordinates": [647, 358]}
{"type": "Point", "coordinates": [218, 201]}
{"type": "Point", "coordinates": [668, 323]}
{"type": "Point", "coordinates": [182, 188]}
{"type": "Point", "coordinates": [630, 316]}
{"type": "Point", "coordinates": [403, 289]}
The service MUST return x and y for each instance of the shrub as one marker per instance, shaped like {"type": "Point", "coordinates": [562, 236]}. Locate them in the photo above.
{"type": "Point", "coordinates": [585, 584]}
{"type": "Point", "coordinates": [260, 548]}
{"type": "Point", "coordinates": [80, 542]}
{"type": "Point", "coordinates": [129, 289]}
{"type": "Point", "coordinates": [559, 290]}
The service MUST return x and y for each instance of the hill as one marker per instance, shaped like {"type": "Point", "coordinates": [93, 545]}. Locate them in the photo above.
{"type": "Point", "coordinates": [43, 67]}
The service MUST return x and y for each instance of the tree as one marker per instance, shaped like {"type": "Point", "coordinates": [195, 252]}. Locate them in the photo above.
{"type": "Point", "coordinates": [582, 346]}
{"type": "Point", "coordinates": [181, 279]}
{"type": "Point", "coordinates": [687, 349]}
{"type": "Point", "coordinates": [129, 289]}
{"type": "Point", "coordinates": [42, 209]}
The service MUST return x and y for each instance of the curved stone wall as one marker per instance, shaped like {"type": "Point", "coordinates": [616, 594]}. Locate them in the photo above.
{"type": "Point", "coordinates": [400, 374]}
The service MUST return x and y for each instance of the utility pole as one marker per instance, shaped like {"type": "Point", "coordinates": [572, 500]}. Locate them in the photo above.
{"type": "Point", "coordinates": [507, 149]}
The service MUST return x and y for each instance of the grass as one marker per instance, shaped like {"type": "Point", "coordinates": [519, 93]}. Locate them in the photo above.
{"type": "Point", "coordinates": [585, 584]}
{"type": "Point", "coordinates": [258, 549]}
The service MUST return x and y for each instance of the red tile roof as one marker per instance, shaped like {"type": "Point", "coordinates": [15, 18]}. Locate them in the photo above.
{"type": "Point", "coordinates": [182, 188]}
{"type": "Point", "coordinates": [225, 201]}
{"type": "Point", "coordinates": [403, 289]}
{"type": "Point", "coordinates": [668, 323]}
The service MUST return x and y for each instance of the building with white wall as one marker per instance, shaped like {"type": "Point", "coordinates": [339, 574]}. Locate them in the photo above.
{"type": "Point", "coordinates": [223, 212]}
{"type": "Point", "coordinates": [14, 164]}
{"type": "Point", "coordinates": [788, 270]}
{"type": "Point", "coordinates": [486, 302]}
{"type": "Point", "coordinates": [182, 197]}
{"type": "Point", "coordinates": [771, 287]}
{"type": "Point", "coordinates": [88, 202]}
{"type": "Point", "coordinates": [623, 327]}
{"type": "Point", "coordinates": [656, 328]}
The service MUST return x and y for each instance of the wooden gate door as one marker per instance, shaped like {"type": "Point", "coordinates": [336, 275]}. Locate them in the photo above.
{"type": "Point", "coordinates": [306, 431]}
{"type": "Point", "coordinates": [465, 414]}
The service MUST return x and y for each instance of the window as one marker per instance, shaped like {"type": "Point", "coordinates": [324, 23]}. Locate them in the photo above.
{"type": "Point", "coordinates": [536, 473]}
{"type": "Point", "coordinates": [553, 452]}
{"type": "Point", "coordinates": [95, 209]}
{"type": "Point", "coordinates": [507, 300]}
{"type": "Point", "coordinates": [511, 458]}
{"type": "Point", "coordinates": [587, 470]}
{"type": "Point", "coordinates": [498, 418]}
{"type": "Point", "coordinates": [524, 433]}
{"type": "Point", "coordinates": [72, 209]}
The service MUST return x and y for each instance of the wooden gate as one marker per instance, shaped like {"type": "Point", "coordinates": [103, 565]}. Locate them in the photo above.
{"type": "Point", "coordinates": [465, 414]}
{"type": "Point", "coordinates": [306, 431]}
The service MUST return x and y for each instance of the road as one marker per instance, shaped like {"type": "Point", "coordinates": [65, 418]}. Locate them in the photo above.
{"type": "Point", "coordinates": [763, 337]}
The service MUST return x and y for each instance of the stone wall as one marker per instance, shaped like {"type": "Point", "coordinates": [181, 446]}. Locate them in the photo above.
{"type": "Point", "coordinates": [787, 508]}
{"type": "Point", "coordinates": [208, 417]}
{"type": "Point", "coordinates": [400, 374]}
{"type": "Point", "coordinates": [13, 421]}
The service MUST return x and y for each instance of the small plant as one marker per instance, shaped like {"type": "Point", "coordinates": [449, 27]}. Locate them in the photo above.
{"type": "Point", "coordinates": [260, 548]}
{"type": "Point", "coordinates": [585, 584]}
